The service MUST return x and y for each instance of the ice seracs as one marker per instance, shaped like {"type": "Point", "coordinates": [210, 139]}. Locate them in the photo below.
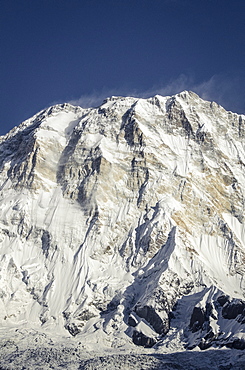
{"type": "Point", "coordinates": [125, 223]}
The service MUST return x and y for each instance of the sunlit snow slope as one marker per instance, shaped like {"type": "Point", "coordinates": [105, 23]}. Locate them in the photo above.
{"type": "Point", "coordinates": [125, 223]}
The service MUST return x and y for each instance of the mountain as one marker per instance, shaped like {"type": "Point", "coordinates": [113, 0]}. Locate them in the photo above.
{"type": "Point", "coordinates": [123, 225]}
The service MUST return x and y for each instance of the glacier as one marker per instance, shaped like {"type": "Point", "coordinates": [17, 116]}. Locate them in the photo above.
{"type": "Point", "coordinates": [122, 227]}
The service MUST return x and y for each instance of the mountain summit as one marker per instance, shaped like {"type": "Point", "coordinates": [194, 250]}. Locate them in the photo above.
{"type": "Point", "coordinates": [123, 225]}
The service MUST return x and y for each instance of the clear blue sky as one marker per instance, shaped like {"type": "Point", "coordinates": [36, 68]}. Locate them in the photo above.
{"type": "Point", "coordinates": [83, 50]}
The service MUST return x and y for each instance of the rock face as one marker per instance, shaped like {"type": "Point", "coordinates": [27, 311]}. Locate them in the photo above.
{"type": "Point", "coordinates": [125, 223]}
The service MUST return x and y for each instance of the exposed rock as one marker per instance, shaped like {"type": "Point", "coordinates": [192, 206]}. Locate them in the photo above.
{"type": "Point", "coordinates": [223, 299]}
{"type": "Point", "coordinates": [73, 329]}
{"type": "Point", "coordinates": [232, 309]}
{"type": "Point", "coordinates": [132, 321]}
{"type": "Point", "coordinates": [197, 319]}
{"type": "Point", "coordinates": [141, 339]}
{"type": "Point", "coordinates": [237, 344]}
{"type": "Point", "coordinates": [150, 315]}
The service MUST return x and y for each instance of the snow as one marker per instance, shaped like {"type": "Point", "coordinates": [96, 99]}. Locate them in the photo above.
{"type": "Point", "coordinates": [236, 226]}
{"type": "Point", "coordinates": [109, 209]}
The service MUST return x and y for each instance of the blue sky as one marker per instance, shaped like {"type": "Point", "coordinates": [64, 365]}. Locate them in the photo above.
{"type": "Point", "coordinates": [81, 51]}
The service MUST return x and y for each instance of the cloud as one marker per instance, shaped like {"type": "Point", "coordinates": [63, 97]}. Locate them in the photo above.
{"type": "Point", "coordinates": [96, 98]}
{"type": "Point", "coordinates": [224, 89]}
{"type": "Point", "coordinates": [174, 86]}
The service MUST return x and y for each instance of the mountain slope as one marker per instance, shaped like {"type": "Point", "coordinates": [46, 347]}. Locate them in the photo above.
{"type": "Point", "coordinates": [125, 223]}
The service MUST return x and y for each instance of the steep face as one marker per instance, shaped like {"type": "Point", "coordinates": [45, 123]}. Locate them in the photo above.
{"type": "Point", "coordinates": [126, 222]}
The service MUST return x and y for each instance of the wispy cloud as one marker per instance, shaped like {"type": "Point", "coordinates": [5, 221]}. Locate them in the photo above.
{"type": "Point", "coordinates": [94, 99]}
{"type": "Point", "coordinates": [225, 90]}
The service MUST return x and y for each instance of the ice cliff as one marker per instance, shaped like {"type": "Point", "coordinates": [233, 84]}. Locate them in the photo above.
{"type": "Point", "coordinates": [124, 224]}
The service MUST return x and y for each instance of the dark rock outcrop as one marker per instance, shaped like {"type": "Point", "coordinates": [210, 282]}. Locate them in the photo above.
{"type": "Point", "coordinates": [141, 339]}
{"type": "Point", "coordinates": [232, 309]}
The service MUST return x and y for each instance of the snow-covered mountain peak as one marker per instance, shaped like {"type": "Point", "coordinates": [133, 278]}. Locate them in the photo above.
{"type": "Point", "coordinates": [125, 223]}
